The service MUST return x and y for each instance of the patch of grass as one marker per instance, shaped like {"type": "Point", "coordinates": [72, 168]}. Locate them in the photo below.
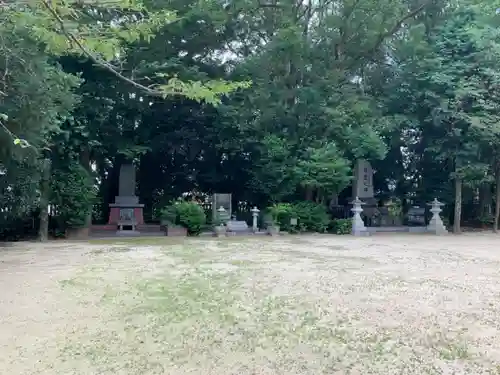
{"type": "Point", "coordinates": [282, 323]}
{"type": "Point", "coordinates": [73, 283]}
{"type": "Point", "coordinates": [452, 351]}
{"type": "Point", "coordinates": [193, 295]}
{"type": "Point", "coordinates": [81, 282]}
{"type": "Point", "coordinates": [114, 249]}
{"type": "Point", "coordinates": [242, 263]}
{"type": "Point", "coordinates": [207, 302]}
{"type": "Point", "coordinates": [296, 254]}
{"type": "Point", "coordinates": [448, 348]}
{"type": "Point", "coordinates": [187, 253]}
{"type": "Point", "coordinates": [174, 317]}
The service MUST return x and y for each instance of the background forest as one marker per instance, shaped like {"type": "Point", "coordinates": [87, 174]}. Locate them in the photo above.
{"type": "Point", "coordinates": [270, 100]}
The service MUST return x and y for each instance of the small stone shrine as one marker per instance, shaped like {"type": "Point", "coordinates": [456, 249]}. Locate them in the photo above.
{"type": "Point", "coordinates": [219, 200]}
{"type": "Point", "coordinates": [416, 216]}
{"type": "Point", "coordinates": [233, 226]}
{"type": "Point", "coordinates": [126, 213]}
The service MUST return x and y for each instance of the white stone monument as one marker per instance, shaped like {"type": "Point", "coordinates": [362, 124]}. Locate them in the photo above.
{"type": "Point", "coordinates": [255, 216]}
{"type": "Point", "coordinates": [358, 226]}
{"type": "Point", "coordinates": [436, 225]}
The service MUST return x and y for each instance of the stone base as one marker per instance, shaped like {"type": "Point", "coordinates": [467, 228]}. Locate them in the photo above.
{"type": "Point", "coordinates": [273, 230]}
{"type": "Point", "coordinates": [176, 231]}
{"type": "Point", "coordinates": [114, 214]}
{"type": "Point", "coordinates": [128, 233]}
{"type": "Point", "coordinates": [437, 227]}
{"type": "Point", "coordinates": [417, 229]}
{"type": "Point", "coordinates": [362, 233]}
{"type": "Point", "coordinates": [397, 229]}
{"type": "Point", "coordinates": [437, 231]}
{"type": "Point", "coordinates": [358, 228]}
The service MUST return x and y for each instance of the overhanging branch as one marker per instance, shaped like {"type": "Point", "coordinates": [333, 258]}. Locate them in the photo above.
{"type": "Point", "coordinates": [100, 62]}
{"type": "Point", "coordinates": [393, 30]}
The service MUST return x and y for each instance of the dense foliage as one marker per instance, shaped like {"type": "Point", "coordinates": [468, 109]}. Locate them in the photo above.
{"type": "Point", "coordinates": [73, 193]}
{"type": "Point", "coordinates": [189, 215]}
{"type": "Point", "coordinates": [341, 226]}
{"type": "Point", "coordinates": [310, 216]}
{"type": "Point", "coordinates": [272, 101]}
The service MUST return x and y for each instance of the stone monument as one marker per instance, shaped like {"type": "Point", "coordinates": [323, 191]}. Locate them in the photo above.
{"type": "Point", "coordinates": [126, 211]}
{"type": "Point", "coordinates": [358, 226]}
{"type": "Point", "coordinates": [416, 216]}
{"type": "Point", "coordinates": [436, 225]}
{"type": "Point", "coordinates": [362, 188]}
{"type": "Point", "coordinates": [255, 217]}
{"type": "Point", "coordinates": [363, 181]}
{"type": "Point", "coordinates": [219, 200]}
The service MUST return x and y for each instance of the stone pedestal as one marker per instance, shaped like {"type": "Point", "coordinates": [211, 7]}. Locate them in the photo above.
{"type": "Point", "coordinates": [221, 219]}
{"type": "Point", "coordinates": [436, 225]}
{"type": "Point", "coordinates": [358, 226]}
{"type": "Point", "coordinates": [125, 212]}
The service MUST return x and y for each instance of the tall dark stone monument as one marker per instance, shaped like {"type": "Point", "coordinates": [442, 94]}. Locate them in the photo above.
{"type": "Point", "coordinates": [126, 211]}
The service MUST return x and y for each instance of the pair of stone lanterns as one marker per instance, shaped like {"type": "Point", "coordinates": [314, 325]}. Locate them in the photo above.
{"type": "Point", "coordinates": [255, 216]}
{"type": "Point", "coordinates": [435, 226]}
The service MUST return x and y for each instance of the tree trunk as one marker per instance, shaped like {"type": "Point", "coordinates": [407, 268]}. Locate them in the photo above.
{"type": "Point", "coordinates": [458, 205]}
{"type": "Point", "coordinates": [319, 196]}
{"type": "Point", "coordinates": [497, 200]}
{"type": "Point", "coordinates": [334, 200]}
{"type": "Point", "coordinates": [43, 232]}
{"type": "Point", "coordinates": [309, 193]}
{"type": "Point", "coordinates": [485, 200]}
{"type": "Point", "coordinates": [85, 162]}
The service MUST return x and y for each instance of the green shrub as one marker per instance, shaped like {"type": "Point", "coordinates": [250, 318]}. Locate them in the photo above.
{"type": "Point", "coordinates": [311, 217]}
{"type": "Point", "coordinates": [73, 193]}
{"type": "Point", "coordinates": [487, 219]}
{"type": "Point", "coordinates": [341, 226]}
{"type": "Point", "coordinates": [190, 215]}
{"type": "Point", "coordinates": [280, 214]}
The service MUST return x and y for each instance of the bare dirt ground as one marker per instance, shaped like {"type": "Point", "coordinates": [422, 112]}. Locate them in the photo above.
{"type": "Point", "coordinates": [389, 304]}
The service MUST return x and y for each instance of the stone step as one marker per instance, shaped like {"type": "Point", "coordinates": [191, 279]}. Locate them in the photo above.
{"type": "Point", "coordinates": [149, 228]}
{"type": "Point", "coordinates": [237, 226]}
{"type": "Point", "coordinates": [128, 233]}
{"type": "Point", "coordinates": [103, 227]}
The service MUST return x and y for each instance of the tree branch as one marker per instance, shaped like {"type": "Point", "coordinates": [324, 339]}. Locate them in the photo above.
{"type": "Point", "coordinates": [17, 141]}
{"type": "Point", "coordinates": [397, 26]}
{"type": "Point", "coordinates": [102, 63]}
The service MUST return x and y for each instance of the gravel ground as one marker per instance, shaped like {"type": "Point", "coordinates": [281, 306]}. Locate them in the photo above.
{"type": "Point", "coordinates": [388, 304]}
